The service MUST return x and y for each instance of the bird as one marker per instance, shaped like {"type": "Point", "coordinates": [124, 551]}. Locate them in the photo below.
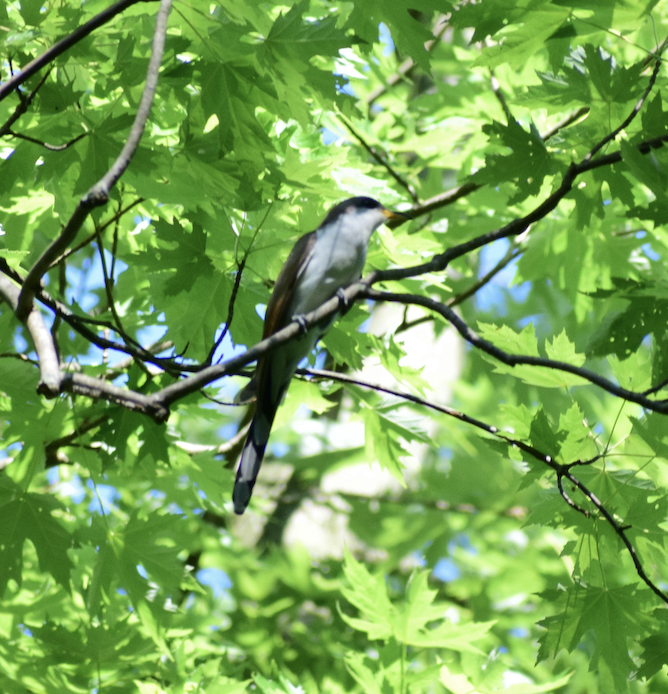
{"type": "Point", "coordinates": [321, 264]}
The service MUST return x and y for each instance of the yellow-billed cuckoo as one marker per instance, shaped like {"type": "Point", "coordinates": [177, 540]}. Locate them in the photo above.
{"type": "Point", "coordinates": [321, 263]}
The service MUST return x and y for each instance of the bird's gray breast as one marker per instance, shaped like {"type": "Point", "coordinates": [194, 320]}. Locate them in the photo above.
{"type": "Point", "coordinates": [336, 261]}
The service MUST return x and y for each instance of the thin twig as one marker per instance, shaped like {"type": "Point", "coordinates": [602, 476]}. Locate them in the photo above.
{"type": "Point", "coordinates": [574, 117]}
{"type": "Point", "coordinates": [657, 388]}
{"type": "Point", "coordinates": [407, 66]}
{"type": "Point", "coordinates": [80, 324]}
{"type": "Point", "coordinates": [46, 145]}
{"type": "Point", "coordinates": [501, 97]}
{"type": "Point", "coordinates": [155, 348]}
{"type": "Point", "coordinates": [439, 262]}
{"type": "Point", "coordinates": [22, 106]}
{"type": "Point", "coordinates": [220, 449]}
{"type": "Point", "coordinates": [627, 121]}
{"type": "Point", "coordinates": [230, 312]}
{"type": "Point", "coordinates": [114, 243]}
{"type": "Point", "coordinates": [567, 498]}
{"type": "Point", "coordinates": [89, 239]}
{"type": "Point", "coordinates": [108, 289]}
{"type": "Point", "coordinates": [21, 357]}
{"type": "Point", "coordinates": [67, 440]}
{"type": "Point", "coordinates": [444, 199]}
{"type": "Point", "coordinates": [235, 289]}
{"type": "Point", "coordinates": [620, 532]}
{"type": "Point", "coordinates": [380, 159]}
{"type": "Point", "coordinates": [512, 253]}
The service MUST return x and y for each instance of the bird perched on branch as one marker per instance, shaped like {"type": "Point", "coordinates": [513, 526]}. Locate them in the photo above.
{"type": "Point", "coordinates": [321, 264]}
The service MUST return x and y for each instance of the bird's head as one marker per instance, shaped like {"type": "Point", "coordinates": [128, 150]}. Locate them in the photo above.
{"type": "Point", "coordinates": [365, 212]}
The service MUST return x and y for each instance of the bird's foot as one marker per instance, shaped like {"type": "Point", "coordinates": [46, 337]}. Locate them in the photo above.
{"type": "Point", "coordinates": [344, 304]}
{"type": "Point", "coordinates": [302, 322]}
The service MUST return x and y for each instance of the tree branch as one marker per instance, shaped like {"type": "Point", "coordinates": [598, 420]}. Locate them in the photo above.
{"type": "Point", "coordinates": [21, 107]}
{"type": "Point", "coordinates": [561, 470]}
{"type": "Point", "coordinates": [381, 160]}
{"type": "Point", "coordinates": [46, 145]}
{"type": "Point", "coordinates": [620, 532]}
{"type": "Point", "coordinates": [512, 253]}
{"type": "Point", "coordinates": [91, 237]}
{"type": "Point", "coordinates": [440, 262]}
{"type": "Point", "coordinates": [99, 193]}
{"type": "Point", "coordinates": [64, 44]}
{"type": "Point", "coordinates": [98, 389]}
{"type": "Point", "coordinates": [515, 359]}
{"type": "Point", "coordinates": [568, 120]}
{"type": "Point", "coordinates": [51, 449]}
{"type": "Point", "coordinates": [407, 66]}
{"type": "Point", "coordinates": [501, 97]}
{"type": "Point", "coordinates": [80, 325]}
{"type": "Point", "coordinates": [49, 365]}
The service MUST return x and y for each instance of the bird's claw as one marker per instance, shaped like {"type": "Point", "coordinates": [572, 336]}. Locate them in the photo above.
{"type": "Point", "coordinates": [302, 322]}
{"type": "Point", "coordinates": [344, 304]}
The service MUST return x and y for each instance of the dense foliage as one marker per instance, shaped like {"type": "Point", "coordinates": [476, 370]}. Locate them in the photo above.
{"type": "Point", "coordinates": [516, 543]}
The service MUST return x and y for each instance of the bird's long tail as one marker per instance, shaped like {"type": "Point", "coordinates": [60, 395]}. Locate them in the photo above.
{"type": "Point", "coordinates": [252, 455]}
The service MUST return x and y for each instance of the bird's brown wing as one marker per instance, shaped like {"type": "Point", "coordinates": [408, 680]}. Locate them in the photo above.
{"type": "Point", "coordinates": [284, 290]}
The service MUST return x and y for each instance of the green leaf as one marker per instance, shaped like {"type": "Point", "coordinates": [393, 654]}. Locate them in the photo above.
{"type": "Point", "coordinates": [609, 613]}
{"type": "Point", "coordinates": [562, 349]}
{"type": "Point", "coordinates": [369, 595]}
{"type": "Point", "coordinates": [527, 165]}
{"type": "Point", "coordinates": [542, 434]}
{"type": "Point", "coordinates": [28, 516]}
{"type": "Point", "coordinates": [507, 339]}
{"type": "Point", "coordinates": [381, 442]}
{"type": "Point", "coordinates": [655, 651]}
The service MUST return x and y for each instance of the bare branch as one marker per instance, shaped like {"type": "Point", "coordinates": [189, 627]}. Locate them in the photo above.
{"type": "Point", "coordinates": [98, 389]}
{"type": "Point", "coordinates": [230, 311]}
{"type": "Point", "coordinates": [99, 193]}
{"type": "Point", "coordinates": [81, 323]}
{"type": "Point", "coordinates": [51, 449]}
{"type": "Point", "coordinates": [324, 374]}
{"type": "Point", "coordinates": [445, 199]}
{"type": "Point", "coordinates": [49, 366]}
{"type": "Point", "coordinates": [587, 164]}
{"type": "Point", "coordinates": [108, 284]}
{"type": "Point", "coordinates": [156, 348]}
{"type": "Point", "coordinates": [515, 359]}
{"type": "Point", "coordinates": [235, 289]}
{"type": "Point", "coordinates": [512, 253]}
{"type": "Point", "coordinates": [439, 262]}
{"type": "Point", "coordinates": [567, 498]}
{"type": "Point", "coordinates": [221, 449]}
